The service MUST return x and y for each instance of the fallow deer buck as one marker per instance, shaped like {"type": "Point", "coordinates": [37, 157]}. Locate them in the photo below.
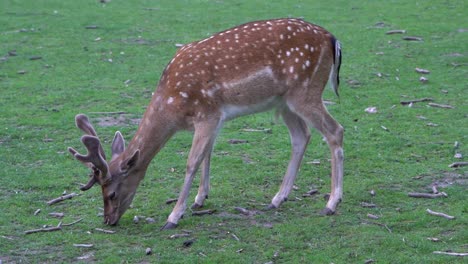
{"type": "Point", "coordinates": [281, 64]}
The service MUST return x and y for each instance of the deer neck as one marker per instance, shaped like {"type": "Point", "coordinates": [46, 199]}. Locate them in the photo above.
{"type": "Point", "coordinates": [155, 129]}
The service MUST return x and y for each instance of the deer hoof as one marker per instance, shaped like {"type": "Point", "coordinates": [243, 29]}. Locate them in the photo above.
{"type": "Point", "coordinates": [168, 226]}
{"type": "Point", "coordinates": [271, 207]}
{"type": "Point", "coordinates": [196, 206]}
{"type": "Point", "coordinates": [327, 211]}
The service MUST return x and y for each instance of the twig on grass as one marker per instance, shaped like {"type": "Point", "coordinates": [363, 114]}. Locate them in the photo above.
{"type": "Point", "coordinates": [105, 231]}
{"type": "Point", "coordinates": [429, 211]}
{"type": "Point", "coordinates": [310, 193]}
{"type": "Point", "coordinates": [62, 198]}
{"type": "Point", "coordinates": [411, 38]}
{"type": "Point", "coordinates": [427, 195]}
{"type": "Point", "coordinates": [242, 210]}
{"type": "Point", "coordinates": [368, 205]}
{"type": "Point", "coordinates": [235, 237]}
{"type": "Point", "coordinates": [265, 130]}
{"type": "Point", "coordinates": [379, 224]}
{"type": "Point", "coordinates": [72, 223]}
{"type": "Point", "coordinates": [237, 141]}
{"type": "Point", "coordinates": [416, 101]}
{"type": "Point", "coordinates": [203, 212]}
{"type": "Point", "coordinates": [44, 229]}
{"type": "Point", "coordinates": [171, 200]}
{"type": "Point", "coordinates": [83, 245]}
{"type": "Point", "coordinates": [451, 253]}
{"type": "Point", "coordinates": [395, 31]}
{"type": "Point", "coordinates": [51, 229]}
{"type": "Point", "coordinates": [441, 105]}
{"type": "Point", "coordinates": [57, 215]}
{"type": "Point", "coordinates": [371, 216]}
{"type": "Point", "coordinates": [458, 164]}
{"type": "Point", "coordinates": [174, 236]}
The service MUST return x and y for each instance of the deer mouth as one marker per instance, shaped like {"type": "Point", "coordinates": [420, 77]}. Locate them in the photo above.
{"type": "Point", "coordinates": [111, 220]}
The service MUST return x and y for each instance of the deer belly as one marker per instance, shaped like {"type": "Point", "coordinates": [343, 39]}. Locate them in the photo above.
{"type": "Point", "coordinates": [231, 111]}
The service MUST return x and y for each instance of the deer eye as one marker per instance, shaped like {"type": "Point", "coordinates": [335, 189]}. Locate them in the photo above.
{"type": "Point", "coordinates": [112, 196]}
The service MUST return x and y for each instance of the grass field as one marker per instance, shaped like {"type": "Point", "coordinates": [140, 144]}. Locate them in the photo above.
{"type": "Point", "coordinates": [61, 58]}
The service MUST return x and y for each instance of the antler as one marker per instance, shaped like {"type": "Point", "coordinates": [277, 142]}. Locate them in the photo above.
{"type": "Point", "coordinates": [82, 122]}
{"type": "Point", "coordinates": [95, 158]}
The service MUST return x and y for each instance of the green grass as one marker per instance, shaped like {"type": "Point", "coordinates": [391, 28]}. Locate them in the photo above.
{"type": "Point", "coordinates": [75, 75]}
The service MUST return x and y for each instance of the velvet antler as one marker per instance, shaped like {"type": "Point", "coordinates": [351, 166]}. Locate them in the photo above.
{"type": "Point", "coordinates": [95, 158]}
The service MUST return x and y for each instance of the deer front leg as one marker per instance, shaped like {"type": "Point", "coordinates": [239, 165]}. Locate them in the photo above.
{"type": "Point", "coordinates": [202, 145]}
{"type": "Point", "coordinates": [204, 187]}
{"type": "Point", "coordinates": [300, 136]}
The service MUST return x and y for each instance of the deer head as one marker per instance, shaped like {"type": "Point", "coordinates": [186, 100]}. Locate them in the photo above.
{"type": "Point", "coordinates": [118, 189]}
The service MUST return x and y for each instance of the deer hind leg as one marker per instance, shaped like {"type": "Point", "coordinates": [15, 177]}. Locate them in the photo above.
{"type": "Point", "coordinates": [316, 115]}
{"type": "Point", "coordinates": [202, 145]}
{"type": "Point", "coordinates": [300, 136]}
{"type": "Point", "coordinates": [204, 187]}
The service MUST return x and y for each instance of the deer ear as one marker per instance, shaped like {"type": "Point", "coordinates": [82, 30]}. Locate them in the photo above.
{"type": "Point", "coordinates": [129, 163]}
{"type": "Point", "coordinates": [118, 144]}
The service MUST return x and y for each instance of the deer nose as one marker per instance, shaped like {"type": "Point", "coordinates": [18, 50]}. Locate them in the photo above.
{"type": "Point", "coordinates": [109, 220]}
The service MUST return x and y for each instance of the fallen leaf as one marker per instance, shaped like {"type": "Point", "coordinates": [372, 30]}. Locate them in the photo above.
{"type": "Point", "coordinates": [371, 110]}
{"type": "Point", "coordinates": [423, 79]}
{"type": "Point", "coordinates": [149, 251]}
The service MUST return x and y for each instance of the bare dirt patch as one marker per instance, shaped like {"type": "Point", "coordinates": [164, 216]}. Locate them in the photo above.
{"type": "Point", "coordinates": [451, 178]}
{"type": "Point", "coordinates": [117, 120]}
